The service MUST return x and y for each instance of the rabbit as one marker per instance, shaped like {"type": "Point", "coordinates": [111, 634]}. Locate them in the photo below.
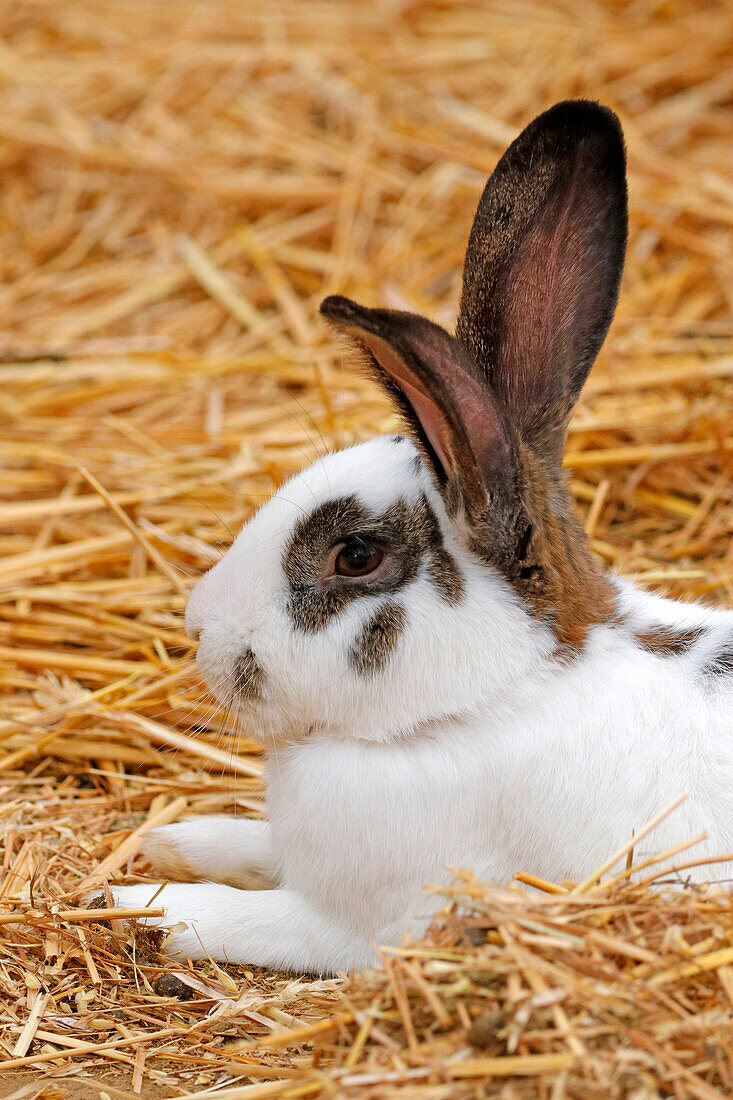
{"type": "Point", "coordinates": [441, 673]}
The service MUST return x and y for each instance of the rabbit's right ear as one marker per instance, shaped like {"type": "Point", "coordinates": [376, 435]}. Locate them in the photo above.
{"type": "Point", "coordinates": [543, 266]}
{"type": "Point", "coordinates": [444, 398]}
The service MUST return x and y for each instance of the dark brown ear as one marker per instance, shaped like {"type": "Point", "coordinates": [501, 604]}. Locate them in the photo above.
{"type": "Point", "coordinates": [446, 401]}
{"type": "Point", "coordinates": [543, 266]}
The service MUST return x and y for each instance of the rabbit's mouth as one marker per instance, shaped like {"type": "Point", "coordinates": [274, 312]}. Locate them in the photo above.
{"type": "Point", "coordinates": [249, 679]}
{"type": "Point", "coordinates": [241, 689]}
{"type": "Point", "coordinates": [235, 678]}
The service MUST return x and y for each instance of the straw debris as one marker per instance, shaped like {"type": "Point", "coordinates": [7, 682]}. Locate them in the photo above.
{"type": "Point", "coordinates": [181, 184]}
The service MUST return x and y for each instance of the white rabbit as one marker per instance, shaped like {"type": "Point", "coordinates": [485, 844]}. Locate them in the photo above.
{"type": "Point", "coordinates": [440, 671]}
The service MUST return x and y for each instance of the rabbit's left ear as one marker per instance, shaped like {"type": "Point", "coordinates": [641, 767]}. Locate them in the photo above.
{"type": "Point", "coordinates": [543, 266]}
{"type": "Point", "coordinates": [444, 397]}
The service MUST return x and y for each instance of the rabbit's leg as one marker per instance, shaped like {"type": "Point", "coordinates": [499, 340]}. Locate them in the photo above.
{"type": "Point", "coordinates": [235, 850]}
{"type": "Point", "coordinates": [273, 928]}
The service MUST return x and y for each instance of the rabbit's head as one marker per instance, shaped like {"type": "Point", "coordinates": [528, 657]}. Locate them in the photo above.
{"type": "Point", "coordinates": [408, 578]}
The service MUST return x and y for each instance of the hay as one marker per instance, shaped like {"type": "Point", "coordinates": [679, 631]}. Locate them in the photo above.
{"type": "Point", "coordinates": [181, 184]}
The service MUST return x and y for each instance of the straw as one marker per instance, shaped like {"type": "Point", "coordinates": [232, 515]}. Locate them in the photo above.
{"type": "Point", "coordinates": [182, 184]}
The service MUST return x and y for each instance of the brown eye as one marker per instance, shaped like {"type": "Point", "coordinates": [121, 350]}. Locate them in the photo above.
{"type": "Point", "coordinates": [357, 558]}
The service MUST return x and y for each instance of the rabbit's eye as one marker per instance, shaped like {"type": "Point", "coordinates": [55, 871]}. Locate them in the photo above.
{"type": "Point", "coordinates": [357, 558]}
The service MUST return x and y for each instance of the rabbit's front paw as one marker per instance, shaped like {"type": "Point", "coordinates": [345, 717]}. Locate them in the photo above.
{"type": "Point", "coordinates": [274, 928]}
{"type": "Point", "coordinates": [236, 851]}
{"type": "Point", "coordinates": [186, 909]}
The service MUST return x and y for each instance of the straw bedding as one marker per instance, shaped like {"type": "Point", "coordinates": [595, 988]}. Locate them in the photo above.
{"type": "Point", "coordinates": [181, 183]}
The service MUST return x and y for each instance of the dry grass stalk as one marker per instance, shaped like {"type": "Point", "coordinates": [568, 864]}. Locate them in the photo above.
{"type": "Point", "coordinates": [181, 186]}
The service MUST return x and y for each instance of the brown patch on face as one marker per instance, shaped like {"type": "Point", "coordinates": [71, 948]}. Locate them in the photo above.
{"type": "Point", "coordinates": [422, 523]}
{"type": "Point", "coordinates": [721, 663]}
{"type": "Point", "coordinates": [312, 606]}
{"type": "Point", "coordinates": [416, 465]}
{"type": "Point", "coordinates": [668, 641]}
{"type": "Point", "coordinates": [248, 677]}
{"type": "Point", "coordinates": [445, 574]}
{"type": "Point", "coordinates": [541, 550]}
{"type": "Point", "coordinates": [379, 636]}
{"type": "Point", "coordinates": [408, 533]}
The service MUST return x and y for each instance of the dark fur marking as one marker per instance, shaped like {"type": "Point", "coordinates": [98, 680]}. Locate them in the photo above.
{"type": "Point", "coordinates": [721, 664]}
{"type": "Point", "coordinates": [248, 677]}
{"type": "Point", "coordinates": [668, 641]}
{"type": "Point", "coordinates": [445, 575]}
{"type": "Point", "coordinates": [421, 527]}
{"type": "Point", "coordinates": [409, 533]}
{"type": "Point", "coordinates": [379, 635]}
{"type": "Point", "coordinates": [312, 606]}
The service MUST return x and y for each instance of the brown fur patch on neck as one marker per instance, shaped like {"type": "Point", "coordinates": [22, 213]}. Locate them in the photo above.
{"type": "Point", "coordinates": [668, 641]}
{"type": "Point", "coordinates": [548, 562]}
{"type": "Point", "coordinates": [559, 577]}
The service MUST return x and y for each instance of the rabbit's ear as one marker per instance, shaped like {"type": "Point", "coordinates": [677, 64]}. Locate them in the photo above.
{"type": "Point", "coordinates": [543, 266]}
{"type": "Point", "coordinates": [443, 396]}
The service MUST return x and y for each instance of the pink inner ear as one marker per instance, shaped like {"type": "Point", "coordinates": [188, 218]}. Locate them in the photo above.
{"type": "Point", "coordinates": [431, 420]}
{"type": "Point", "coordinates": [542, 292]}
{"type": "Point", "coordinates": [556, 292]}
{"type": "Point", "coordinates": [428, 413]}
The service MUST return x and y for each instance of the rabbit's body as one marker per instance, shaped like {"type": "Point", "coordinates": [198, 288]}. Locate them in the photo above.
{"type": "Point", "coordinates": [550, 779]}
{"type": "Point", "coordinates": [440, 671]}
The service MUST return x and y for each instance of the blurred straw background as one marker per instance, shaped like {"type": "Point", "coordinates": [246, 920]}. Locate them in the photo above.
{"type": "Point", "coordinates": [181, 183]}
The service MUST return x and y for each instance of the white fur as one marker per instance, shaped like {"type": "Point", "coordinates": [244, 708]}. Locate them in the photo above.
{"type": "Point", "coordinates": [473, 747]}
